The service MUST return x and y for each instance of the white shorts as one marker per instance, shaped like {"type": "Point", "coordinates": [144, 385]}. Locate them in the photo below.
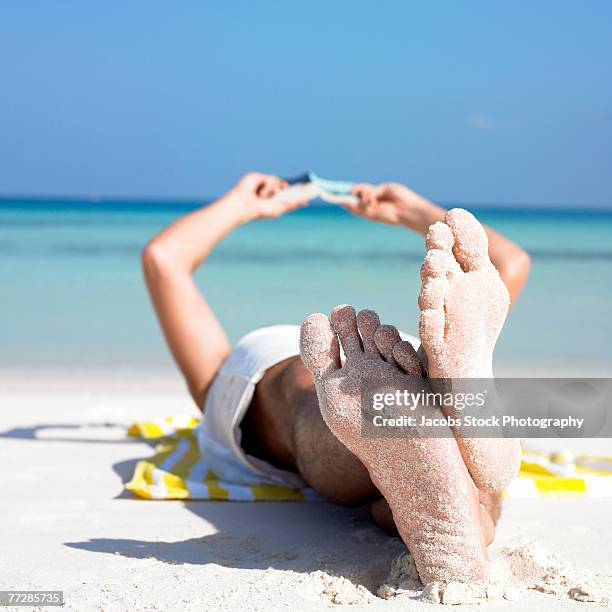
{"type": "Point", "coordinates": [229, 398]}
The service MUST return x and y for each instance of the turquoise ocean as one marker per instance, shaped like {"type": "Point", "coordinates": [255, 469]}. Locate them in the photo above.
{"type": "Point", "coordinates": [72, 294]}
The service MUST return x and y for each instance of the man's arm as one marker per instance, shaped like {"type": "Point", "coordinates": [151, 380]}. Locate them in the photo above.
{"type": "Point", "coordinates": [196, 339]}
{"type": "Point", "coordinates": [395, 204]}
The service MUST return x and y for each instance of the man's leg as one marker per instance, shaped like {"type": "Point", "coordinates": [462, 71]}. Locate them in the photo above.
{"type": "Point", "coordinates": [324, 462]}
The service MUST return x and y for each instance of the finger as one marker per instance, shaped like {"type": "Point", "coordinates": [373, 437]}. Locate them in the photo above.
{"type": "Point", "coordinates": [262, 187]}
{"type": "Point", "coordinates": [288, 207]}
{"type": "Point", "coordinates": [367, 196]}
{"type": "Point", "coordinates": [252, 178]}
{"type": "Point", "coordinates": [383, 193]}
{"type": "Point", "coordinates": [364, 192]}
{"type": "Point", "coordinates": [360, 195]}
{"type": "Point", "coordinates": [275, 188]}
{"type": "Point", "coordinates": [357, 208]}
{"type": "Point", "coordinates": [298, 204]}
{"type": "Point", "coordinates": [369, 207]}
{"type": "Point", "coordinates": [270, 187]}
{"type": "Point", "coordinates": [364, 209]}
{"type": "Point", "coordinates": [277, 182]}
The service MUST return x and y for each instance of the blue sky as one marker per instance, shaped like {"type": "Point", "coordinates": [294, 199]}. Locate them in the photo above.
{"type": "Point", "coordinates": [464, 101]}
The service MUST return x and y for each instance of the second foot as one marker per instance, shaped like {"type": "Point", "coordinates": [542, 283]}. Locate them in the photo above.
{"type": "Point", "coordinates": [464, 304]}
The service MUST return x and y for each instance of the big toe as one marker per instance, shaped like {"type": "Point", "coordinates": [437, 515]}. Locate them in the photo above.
{"type": "Point", "coordinates": [471, 244]}
{"type": "Point", "coordinates": [319, 347]}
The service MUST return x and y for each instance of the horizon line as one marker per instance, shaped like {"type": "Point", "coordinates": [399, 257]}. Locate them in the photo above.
{"type": "Point", "coordinates": [194, 201]}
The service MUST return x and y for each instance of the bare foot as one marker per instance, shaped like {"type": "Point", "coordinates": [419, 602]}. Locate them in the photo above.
{"type": "Point", "coordinates": [423, 478]}
{"type": "Point", "coordinates": [464, 304]}
{"type": "Point", "coordinates": [381, 515]}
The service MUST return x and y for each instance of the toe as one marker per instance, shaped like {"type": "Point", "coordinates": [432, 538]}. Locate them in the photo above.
{"type": "Point", "coordinates": [433, 292]}
{"type": "Point", "coordinates": [438, 269]}
{"type": "Point", "coordinates": [471, 243]}
{"type": "Point", "coordinates": [439, 264]}
{"type": "Point", "coordinates": [368, 322]}
{"type": "Point", "coordinates": [344, 322]}
{"type": "Point", "coordinates": [440, 237]}
{"type": "Point", "coordinates": [431, 330]}
{"type": "Point", "coordinates": [407, 358]}
{"type": "Point", "coordinates": [385, 337]}
{"type": "Point", "coordinates": [319, 346]}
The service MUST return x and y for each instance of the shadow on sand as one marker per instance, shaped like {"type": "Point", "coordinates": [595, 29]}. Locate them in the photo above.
{"type": "Point", "coordinates": [95, 433]}
{"type": "Point", "coordinates": [291, 536]}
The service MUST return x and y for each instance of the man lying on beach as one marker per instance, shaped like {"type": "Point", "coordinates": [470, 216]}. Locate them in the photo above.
{"type": "Point", "coordinates": [282, 407]}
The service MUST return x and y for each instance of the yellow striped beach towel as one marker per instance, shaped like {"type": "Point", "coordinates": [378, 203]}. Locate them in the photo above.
{"type": "Point", "coordinates": [561, 474]}
{"type": "Point", "coordinates": [177, 471]}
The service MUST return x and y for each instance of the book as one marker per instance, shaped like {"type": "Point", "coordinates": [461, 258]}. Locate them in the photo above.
{"type": "Point", "coordinates": [309, 186]}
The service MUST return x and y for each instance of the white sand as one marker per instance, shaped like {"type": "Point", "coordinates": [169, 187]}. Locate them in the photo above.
{"type": "Point", "coordinates": [66, 524]}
